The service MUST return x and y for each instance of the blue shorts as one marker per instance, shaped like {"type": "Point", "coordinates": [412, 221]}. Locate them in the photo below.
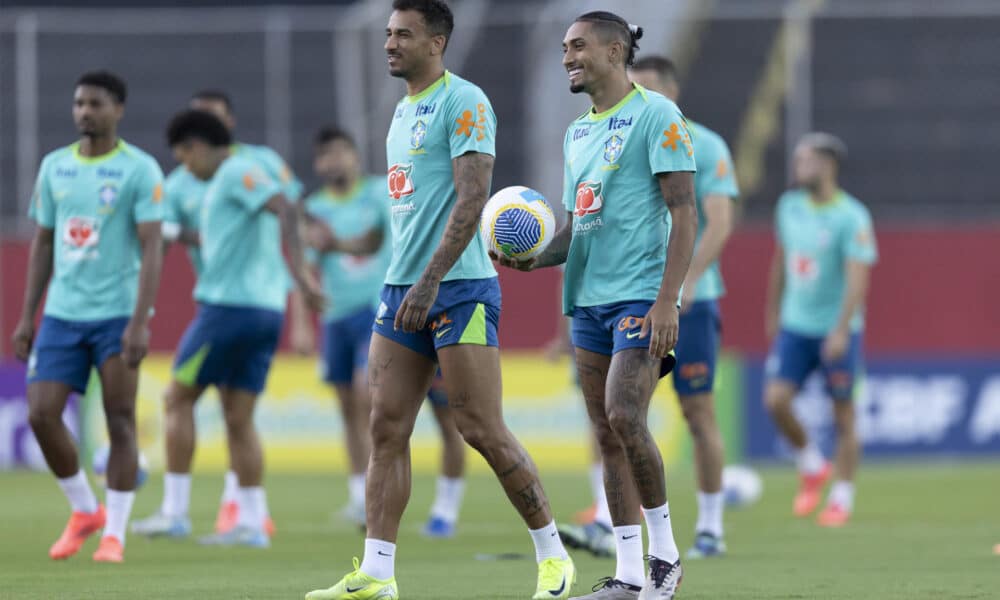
{"type": "Point", "coordinates": [610, 328]}
{"type": "Point", "coordinates": [794, 357]}
{"type": "Point", "coordinates": [697, 348]}
{"type": "Point", "coordinates": [467, 311]}
{"type": "Point", "coordinates": [228, 346]}
{"type": "Point", "coordinates": [64, 351]}
{"type": "Point", "coordinates": [345, 346]}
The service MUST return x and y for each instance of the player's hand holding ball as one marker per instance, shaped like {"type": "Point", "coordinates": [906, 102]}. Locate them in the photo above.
{"type": "Point", "coordinates": [661, 325]}
{"type": "Point", "coordinates": [517, 225]}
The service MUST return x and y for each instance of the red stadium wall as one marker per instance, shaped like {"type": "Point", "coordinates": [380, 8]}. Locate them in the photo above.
{"type": "Point", "coordinates": [933, 291]}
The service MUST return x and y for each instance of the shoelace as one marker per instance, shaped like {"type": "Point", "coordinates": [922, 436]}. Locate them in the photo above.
{"type": "Point", "coordinates": [659, 570]}
{"type": "Point", "coordinates": [603, 582]}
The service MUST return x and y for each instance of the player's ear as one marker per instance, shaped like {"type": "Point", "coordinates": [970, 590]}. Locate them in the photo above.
{"type": "Point", "coordinates": [438, 44]}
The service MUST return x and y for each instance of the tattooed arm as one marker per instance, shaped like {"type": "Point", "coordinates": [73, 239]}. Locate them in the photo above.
{"type": "Point", "coordinates": [661, 322]}
{"type": "Point", "coordinates": [472, 173]}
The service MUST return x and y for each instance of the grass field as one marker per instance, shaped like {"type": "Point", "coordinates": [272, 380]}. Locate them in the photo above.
{"type": "Point", "coordinates": [919, 532]}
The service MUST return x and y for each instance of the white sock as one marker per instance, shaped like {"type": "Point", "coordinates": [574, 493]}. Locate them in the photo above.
{"type": "Point", "coordinates": [661, 534]}
{"type": "Point", "coordinates": [231, 489]}
{"type": "Point", "coordinates": [356, 489]}
{"type": "Point", "coordinates": [547, 543]}
{"type": "Point", "coordinates": [629, 567]}
{"type": "Point", "coordinates": [79, 493]}
{"type": "Point", "coordinates": [842, 494]}
{"type": "Point", "coordinates": [119, 509]}
{"type": "Point", "coordinates": [253, 507]}
{"type": "Point", "coordinates": [448, 499]}
{"type": "Point", "coordinates": [176, 494]}
{"type": "Point", "coordinates": [380, 559]}
{"type": "Point", "coordinates": [710, 508]}
{"type": "Point", "coordinates": [809, 459]}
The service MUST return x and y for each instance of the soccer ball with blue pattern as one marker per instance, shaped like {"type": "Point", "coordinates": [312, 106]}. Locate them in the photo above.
{"type": "Point", "coordinates": [517, 222]}
{"type": "Point", "coordinates": [100, 465]}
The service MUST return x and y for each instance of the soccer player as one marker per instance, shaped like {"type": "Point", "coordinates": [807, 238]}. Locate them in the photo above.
{"type": "Point", "coordinates": [348, 231]}
{"type": "Point", "coordinates": [97, 205]}
{"type": "Point", "coordinates": [824, 251]}
{"type": "Point", "coordinates": [629, 183]}
{"type": "Point", "coordinates": [241, 296]}
{"type": "Point", "coordinates": [700, 324]}
{"type": "Point", "coordinates": [184, 196]}
{"type": "Point", "coordinates": [441, 304]}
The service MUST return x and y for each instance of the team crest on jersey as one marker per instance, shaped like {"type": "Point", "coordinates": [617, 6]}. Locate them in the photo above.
{"type": "Point", "coordinates": [589, 199]}
{"type": "Point", "coordinates": [106, 196]}
{"type": "Point", "coordinates": [613, 148]}
{"type": "Point", "coordinates": [400, 180]}
{"type": "Point", "coordinates": [803, 267]}
{"type": "Point", "coordinates": [417, 135]}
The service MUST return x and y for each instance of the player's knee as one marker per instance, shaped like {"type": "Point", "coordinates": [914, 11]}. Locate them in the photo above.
{"type": "Point", "coordinates": [626, 423]}
{"type": "Point", "coordinates": [121, 427]}
{"type": "Point", "coordinates": [41, 418]}
{"type": "Point", "coordinates": [238, 423]}
{"type": "Point", "coordinates": [777, 401]}
{"type": "Point", "coordinates": [387, 433]}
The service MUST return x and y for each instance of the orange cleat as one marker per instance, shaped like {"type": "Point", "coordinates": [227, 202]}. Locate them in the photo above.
{"type": "Point", "coordinates": [810, 491]}
{"type": "Point", "coordinates": [81, 526]}
{"type": "Point", "coordinates": [833, 515]}
{"type": "Point", "coordinates": [226, 519]}
{"type": "Point", "coordinates": [110, 550]}
{"type": "Point", "coordinates": [586, 516]}
{"type": "Point", "coordinates": [229, 514]}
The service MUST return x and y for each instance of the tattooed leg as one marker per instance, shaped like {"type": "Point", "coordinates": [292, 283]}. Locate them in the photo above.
{"type": "Point", "coordinates": [631, 380]}
{"type": "Point", "coordinates": [623, 499]}
{"type": "Point", "coordinates": [399, 379]}
{"type": "Point", "coordinates": [472, 380]}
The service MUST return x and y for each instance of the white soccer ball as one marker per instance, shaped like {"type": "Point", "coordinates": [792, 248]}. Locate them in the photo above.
{"type": "Point", "coordinates": [100, 465]}
{"type": "Point", "coordinates": [517, 222]}
{"type": "Point", "coordinates": [741, 486]}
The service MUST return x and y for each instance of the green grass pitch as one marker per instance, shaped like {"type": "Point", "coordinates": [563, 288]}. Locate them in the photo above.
{"type": "Point", "coordinates": [919, 532]}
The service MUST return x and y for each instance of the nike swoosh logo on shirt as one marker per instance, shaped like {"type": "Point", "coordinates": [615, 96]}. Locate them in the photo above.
{"type": "Point", "coordinates": [561, 588]}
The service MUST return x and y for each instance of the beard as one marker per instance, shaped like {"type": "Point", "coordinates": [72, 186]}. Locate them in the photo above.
{"type": "Point", "coordinates": [576, 88]}
{"type": "Point", "coordinates": [339, 180]}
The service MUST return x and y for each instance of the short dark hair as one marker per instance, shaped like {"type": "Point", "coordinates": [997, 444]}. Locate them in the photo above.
{"type": "Point", "coordinates": [332, 133]}
{"type": "Point", "coordinates": [214, 95]}
{"type": "Point", "coordinates": [826, 144]}
{"type": "Point", "coordinates": [197, 124]}
{"type": "Point", "coordinates": [108, 81]}
{"type": "Point", "coordinates": [437, 15]}
{"type": "Point", "coordinates": [611, 25]}
{"type": "Point", "coordinates": [664, 68]}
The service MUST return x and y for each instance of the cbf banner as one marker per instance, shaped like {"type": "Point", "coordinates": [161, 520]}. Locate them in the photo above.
{"type": "Point", "coordinates": [904, 407]}
{"type": "Point", "coordinates": [18, 447]}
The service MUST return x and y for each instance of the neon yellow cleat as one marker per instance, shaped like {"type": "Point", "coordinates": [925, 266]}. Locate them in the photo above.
{"type": "Point", "coordinates": [555, 579]}
{"type": "Point", "coordinates": [358, 586]}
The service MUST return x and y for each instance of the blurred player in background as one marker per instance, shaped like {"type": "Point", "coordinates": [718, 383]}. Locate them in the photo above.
{"type": "Point", "coordinates": [824, 251]}
{"type": "Point", "coordinates": [629, 182]}
{"type": "Point", "coordinates": [348, 232]}
{"type": "Point", "coordinates": [700, 323]}
{"type": "Point", "coordinates": [98, 207]}
{"type": "Point", "coordinates": [441, 304]}
{"type": "Point", "coordinates": [185, 195]}
{"type": "Point", "coordinates": [241, 296]}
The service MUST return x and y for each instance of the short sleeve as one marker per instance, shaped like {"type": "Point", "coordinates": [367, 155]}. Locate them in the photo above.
{"type": "Point", "coordinates": [859, 239]}
{"type": "Point", "coordinates": [172, 199]}
{"type": "Point", "coordinates": [43, 209]}
{"type": "Point", "coordinates": [148, 193]}
{"type": "Point", "coordinates": [569, 183]}
{"type": "Point", "coordinates": [471, 121]}
{"type": "Point", "coordinates": [278, 169]}
{"type": "Point", "coordinates": [668, 140]}
{"type": "Point", "coordinates": [717, 175]}
{"type": "Point", "coordinates": [252, 186]}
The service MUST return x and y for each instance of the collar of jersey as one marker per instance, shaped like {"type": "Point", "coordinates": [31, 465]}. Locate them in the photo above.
{"type": "Point", "coordinates": [594, 117]}
{"type": "Point", "coordinates": [838, 197]}
{"type": "Point", "coordinates": [443, 80]}
{"type": "Point", "coordinates": [93, 160]}
{"type": "Point", "coordinates": [342, 198]}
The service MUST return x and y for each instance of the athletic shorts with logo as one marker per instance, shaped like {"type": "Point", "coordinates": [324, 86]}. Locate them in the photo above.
{"type": "Point", "coordinates": [697, 348]}
{"type": "Point", "coordinates": [345, 346]}
{"type": "Point", "coordinates": [467, 311]}
{"type": "Point", "coordinates": [228, 346]}
{"type": "Point", "coordinates": [794, 357]}
{"type": "Point", "coordinates": [64, 351]}
{"type": "Point", "coordinates": [610, 328]}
